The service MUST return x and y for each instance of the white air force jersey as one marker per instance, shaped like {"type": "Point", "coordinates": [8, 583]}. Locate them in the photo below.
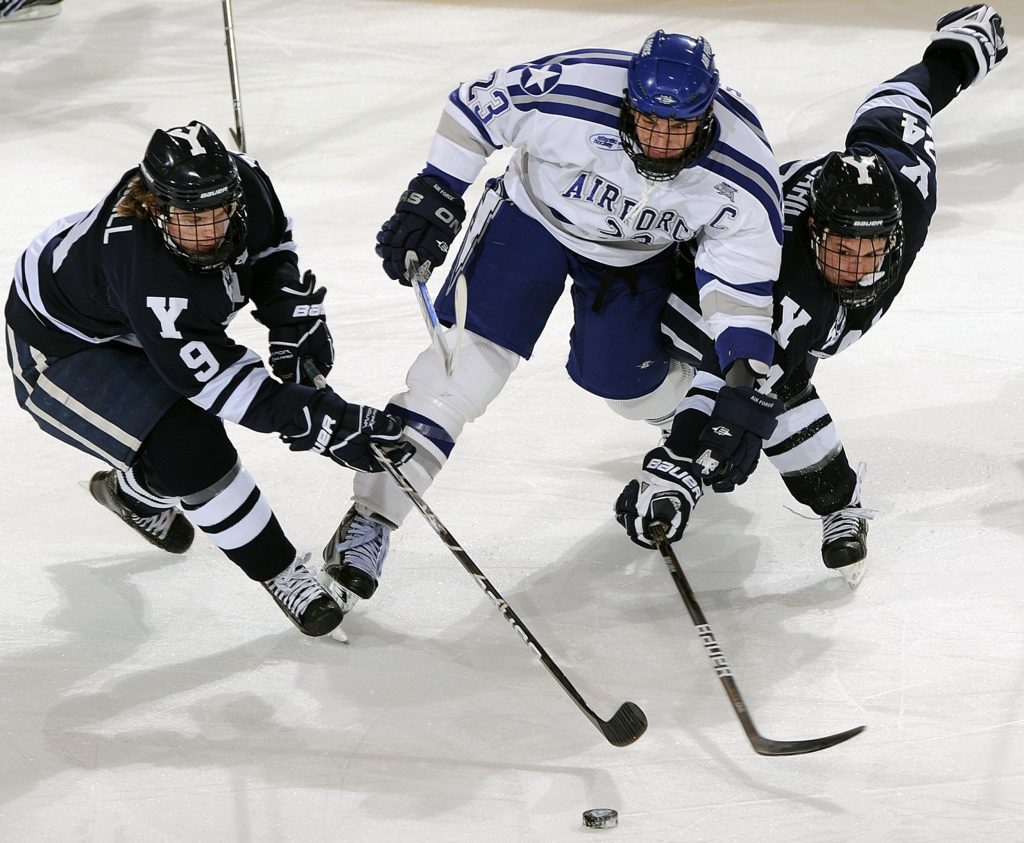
{"type": "Point", "coordinates": [570, 173]}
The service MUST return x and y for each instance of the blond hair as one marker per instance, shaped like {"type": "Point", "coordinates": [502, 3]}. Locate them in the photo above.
{"type": "Point", "coordinates": [136, 201]}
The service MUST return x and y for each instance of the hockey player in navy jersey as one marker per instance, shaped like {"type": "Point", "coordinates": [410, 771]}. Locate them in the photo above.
{"type": "Point", "coordinates": [855, 220]}
{"type": "Point", "coordinates": [618, 158]}
{"type": "Point", "coordinates": [116, 337]}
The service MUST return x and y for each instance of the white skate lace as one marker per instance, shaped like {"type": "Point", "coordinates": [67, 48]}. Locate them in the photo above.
{"type": "Point", "coordinates": [295, 587]}
{"type": "Point", "coordinates": [844, 523]}
{"type": "Point", "coordinates": [361, 546]}
{"type": "Point", "coordinates": [156, 525]}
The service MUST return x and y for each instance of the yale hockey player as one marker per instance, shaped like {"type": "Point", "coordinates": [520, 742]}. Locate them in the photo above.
{"type": "Point", "coordinates": [116, 335]}
{"type": "Point", "coordinates": [855, 220]}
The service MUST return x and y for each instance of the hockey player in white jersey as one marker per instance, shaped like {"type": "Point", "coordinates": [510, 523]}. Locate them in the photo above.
{"type": "Point", "coordinates": [855, 220]}
{"type": "Point", "coordinates": [619, 157]}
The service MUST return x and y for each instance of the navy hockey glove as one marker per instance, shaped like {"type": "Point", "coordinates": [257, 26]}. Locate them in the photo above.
{"type": "Point", "coordinates": [298, 330]}
{"type": "Point", "coordinates": [428, 216]}
{"type": "Point", "coordinates": [976, 32]}
{"type": "Point", "coordinates": [665, 492]}
{"type": "Point", "coordinates": [331, 426]}
{"type": "Point", "coordinates": [730, 444]}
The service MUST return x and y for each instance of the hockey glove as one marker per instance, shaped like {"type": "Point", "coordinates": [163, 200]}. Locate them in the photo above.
{"type": "Point", "coordinates": [665, 492]}
{"type": "Point", "coordinates": [976, 32]}
{"type": "Point", "coordinates": [330, 426]}
{"type": "Point", "coordinates": [426, 220]}
{"type": "Point", "coordinates": [298, 331]}
{"type": "Point", "coordinates": [730, 444]}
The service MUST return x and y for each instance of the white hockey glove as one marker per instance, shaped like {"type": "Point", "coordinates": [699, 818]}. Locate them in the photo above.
{"type": "Point", "coordinates": [665, 492]}
{"type": "Point", "coordinates": [977, 33]}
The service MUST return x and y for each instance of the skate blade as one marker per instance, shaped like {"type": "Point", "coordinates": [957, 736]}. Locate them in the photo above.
{"type": "Point", "coordinates": [854, 573]}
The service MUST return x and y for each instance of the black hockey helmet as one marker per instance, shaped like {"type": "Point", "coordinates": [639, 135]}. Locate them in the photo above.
{"type": "Point", "coordinates": [187, 168]}
{"type": "Point", "coordinates": [854, 196]}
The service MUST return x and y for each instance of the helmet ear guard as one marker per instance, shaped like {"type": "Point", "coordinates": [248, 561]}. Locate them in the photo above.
{"type": "Point", "coordinates": [672, 78]}
{"type": "Point", "coordinates": [854, 197]}
{"type": "Point", "coordinates": [188, 168]}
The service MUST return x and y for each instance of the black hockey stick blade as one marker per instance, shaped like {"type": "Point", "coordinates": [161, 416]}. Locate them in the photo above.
{"type": "Point", "coordinates": [625, 726]}
{"type": "Point", "coordinates": [766, 746]}
{"type": "Point", "coordinates": [760, 744]}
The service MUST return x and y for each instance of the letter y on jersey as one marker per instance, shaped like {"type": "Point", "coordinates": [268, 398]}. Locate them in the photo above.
{"type": "Point", "coordinates": [167, 310]}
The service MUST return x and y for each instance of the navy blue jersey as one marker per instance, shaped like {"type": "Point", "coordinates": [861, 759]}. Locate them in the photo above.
{"type": "Point", "coordinates": [893, 122]}
{"type": "Point", "coordinates": [97, 277]}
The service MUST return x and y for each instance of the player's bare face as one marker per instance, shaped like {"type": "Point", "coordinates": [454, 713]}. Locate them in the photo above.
{"type": "Point", "coordinates": [847, 260]}
{"type": "Point", "coordinates": [198, 232]}
{"type": "Point", "coordinates": [662, 137]}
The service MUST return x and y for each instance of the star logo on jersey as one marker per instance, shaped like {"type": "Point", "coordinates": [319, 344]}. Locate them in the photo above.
{"type": "Point", "coordinates": [537, 81]}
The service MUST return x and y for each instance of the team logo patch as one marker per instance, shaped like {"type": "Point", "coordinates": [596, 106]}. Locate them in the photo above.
{"type": "Point", "coordinates": [608, 143]}
{"type": "Point", "coordinates": [727, 190]}
{"type": "Point", "coordinates": [537, 81]}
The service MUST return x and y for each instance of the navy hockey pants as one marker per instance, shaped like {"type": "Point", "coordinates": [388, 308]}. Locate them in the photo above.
{"type": "Point", "coordinates": [516, 271]}
{"type": "Point", "coordinates": [103, 401]}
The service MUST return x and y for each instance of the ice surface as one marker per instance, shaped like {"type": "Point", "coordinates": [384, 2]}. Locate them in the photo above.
{"type": "Point", "coordinates": [150, 698]}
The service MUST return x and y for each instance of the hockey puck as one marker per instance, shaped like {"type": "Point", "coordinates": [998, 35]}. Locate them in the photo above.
{"type": "Point", "coordinates": [600, 818]}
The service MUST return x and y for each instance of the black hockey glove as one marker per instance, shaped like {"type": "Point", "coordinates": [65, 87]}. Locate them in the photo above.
{"type": "Point", "coordinates": [298, 331]}
{"type": "Point", "coordinates": [331, 426]}
{"type": "Point", "coordinates": [730, 444]}
{"type": "Point", "coordinates": [428, 216]}
{"type": "Point", "coordinates": [665, 492]}
{"type": "Point", "coordinates": [976, 32]}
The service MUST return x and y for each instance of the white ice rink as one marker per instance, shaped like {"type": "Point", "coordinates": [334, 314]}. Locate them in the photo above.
{"type": "Point", "coordinates": [153, 698]}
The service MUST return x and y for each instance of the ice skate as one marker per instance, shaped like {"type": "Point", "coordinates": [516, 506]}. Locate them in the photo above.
{"type": "Point", "coordinates": [844, 543]}
{"type": "Point", "coordinates": [15, 10]}
{"type": "Point", "coordinates": [167, 528]}
{"type": "Point", "coordinates": [354, 557]}
{"type": "Point", "coordinates": [306, 603]}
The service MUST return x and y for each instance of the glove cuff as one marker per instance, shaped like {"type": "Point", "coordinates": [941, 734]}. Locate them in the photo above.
{"type": "Point", "coordinates": [292, 310]}
{"type": "Point", "coordinates": [751, 410]}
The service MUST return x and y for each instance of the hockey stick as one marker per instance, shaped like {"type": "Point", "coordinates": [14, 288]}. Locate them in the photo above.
{"type": "Point", "coordinates": [418, 277]}
{"type": "Point", "coordinates": [238, 133]}
{"type": "Point", "coordinates": [761, 744]}
{"type": "Point", "coordinates": [626, 725]}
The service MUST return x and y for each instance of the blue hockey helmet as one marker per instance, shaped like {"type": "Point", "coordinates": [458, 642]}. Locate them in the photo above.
{"type": "Point", "coordinates": [187, 168]}
{"type": "Point", "coordinates": [673, 80]}
{"type": "Point", "coordinates": [672, 76]}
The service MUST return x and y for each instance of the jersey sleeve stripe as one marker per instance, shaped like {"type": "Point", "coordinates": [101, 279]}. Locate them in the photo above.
{"type": "Point", "coordinates": [895, 100]}
{"type": "Point", "coordinates": [745, 114]}
{"type": "Point", "coordinates": [474, 121]}
{"type": "Point", "coordinates": [741, 343]}
{"type": "Point", "coordinates": [27, 286]}
{"type": "Point", "coordinates": [229, 393]}
{"type": "Point", "coordinates": [604, 117]}
{"type": "Point", "coordinates": [753, 181]}
{"type": "Point", "coordinates": [759, 292]}
{"type": "Point", "coordinates": [287, 246]}
{"type": "Point", "coordinates": [571, 94]}
{"type": "Point", "coordinates": [596, 54]}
